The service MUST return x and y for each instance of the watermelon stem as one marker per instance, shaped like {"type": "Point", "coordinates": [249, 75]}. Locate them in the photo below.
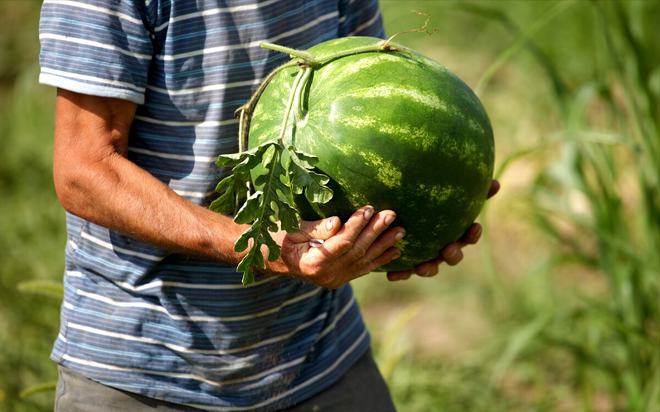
{"type": "Point", "coordinates": [306, 58]}
{"type": "Point", "coordinates": [383, 46]}
{"type": "Point", "coordinates": [299, 101]}
{"type": "Point", "coordinates": [295, 90]}
{"type": "Point", "coordinates": [245, 111]}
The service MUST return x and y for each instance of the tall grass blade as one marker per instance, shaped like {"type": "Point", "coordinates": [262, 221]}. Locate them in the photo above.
{"type": "Point", "coordinates": [42, 287]}
{"type": "Point", "coordinates": [519, 341]}
{"type": "Point", "coordinates": [392, 348]}
{"type": "Point", "coordinates": [37, 389]}
{"type": "Point", "coordinates": [519, 43]}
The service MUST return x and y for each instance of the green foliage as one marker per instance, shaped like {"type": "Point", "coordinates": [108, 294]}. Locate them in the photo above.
{"type": "Point", "coordinates": [277, 174]}
{"type": "Point", "coordinates": [583, 203]}
{"type": "Point", "coordinates": [31, 243]}
{"type": "Point", "coordinates": [32, 222]}
{"type": "Point", "coordinates": [436, 386]}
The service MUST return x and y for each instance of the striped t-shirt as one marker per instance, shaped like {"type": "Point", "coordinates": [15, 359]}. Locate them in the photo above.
{"type": "Point", "coordinates": [166, 325]}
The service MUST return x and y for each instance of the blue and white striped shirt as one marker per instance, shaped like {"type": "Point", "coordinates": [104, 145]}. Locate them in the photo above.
{"type": "Point", "coordinates": [162, 324]}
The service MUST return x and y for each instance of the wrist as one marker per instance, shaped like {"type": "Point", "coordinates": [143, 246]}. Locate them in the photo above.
{"type": "Point", "coordinates": [219, 234]}
{"type": "Point", "coordinates": [282, 265]}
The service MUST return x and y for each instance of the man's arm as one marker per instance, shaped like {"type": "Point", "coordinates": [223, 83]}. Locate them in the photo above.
{"type": "Point", "coordinates": [94, 180]}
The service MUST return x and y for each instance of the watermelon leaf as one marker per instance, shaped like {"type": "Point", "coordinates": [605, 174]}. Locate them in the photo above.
{"type": "Point", "coordinates": [234, 188]}
{"type": "Point", "coordinates": [303, 176]}
{"type": "Point", "coordinates": [263, 184]}
{"type": "Point", "coordinates": [232, 194]}
{"type": "Point", "coordinates": [308, 159]}
{"type": "Point", "coordinates": [265, 200]}
{"type": "Point", "coordinates": [258, 207]}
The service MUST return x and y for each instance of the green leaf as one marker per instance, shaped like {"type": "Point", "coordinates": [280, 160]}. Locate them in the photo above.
{"type": "Point", "coordinates": [251, 208]}
{"type": "Point", "coordinates": [230, 159]}
{"type": "Point", "coordinates": [277, 174]}
{"type": "Point", "coordinates": [262, 208]}
{"type": "Point", "coordinates": [233, 193]}
{"type": "Point", "coordinates": [242, 242]}
{"type": "Point", "coordinates": [260, 192]}
{"type": "Point", "coordinates": [289, 217]}
{"type": "Point", "coordinates": [273, 248]}
{"type": "Point", "coordinates": [309, 159]}
{"type": "Point", "coordinates": [247, 263]}
{"type": "Point", "coordinates": [268, 155]}
{"type": "Point", "coordinates": [303, 178]}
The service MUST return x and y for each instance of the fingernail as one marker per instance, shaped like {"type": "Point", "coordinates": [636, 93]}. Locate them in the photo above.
{"type": "Point", "coordinates": [477, 232]}
{"type": "Point", "coordinates": [397, 254]}
{"type": "Point", "coordinates": [368, 212]}
{"type": "Point", "coordinates": [399, 235]}
{"type": "Point", "coordinates": [330, 223]}
{"type": "Point", "coordinates": [316, 243]}
{"type": "Point", "coordinates": [389, 219]}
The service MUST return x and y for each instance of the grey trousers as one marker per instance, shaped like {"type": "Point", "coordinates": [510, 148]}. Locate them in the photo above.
{"type": "Point", "coordinates": [362, 389]}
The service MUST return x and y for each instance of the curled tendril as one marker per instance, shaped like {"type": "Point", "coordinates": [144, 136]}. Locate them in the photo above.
{"type": "Point", "coordinates": [421, 29]}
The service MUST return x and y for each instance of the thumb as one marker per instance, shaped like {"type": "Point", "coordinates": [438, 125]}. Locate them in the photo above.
{"type": "Point", "coordinates": [322, 229]}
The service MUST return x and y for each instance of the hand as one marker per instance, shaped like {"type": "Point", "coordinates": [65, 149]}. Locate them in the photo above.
{"type": "Point", "coordinates": [451, 253]}
{"type": "Point", "coordinates": [331, 255]}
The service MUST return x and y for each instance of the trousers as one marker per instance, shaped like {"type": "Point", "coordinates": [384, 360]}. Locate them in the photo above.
{"type": "Point", "coordinates": [361, 389]}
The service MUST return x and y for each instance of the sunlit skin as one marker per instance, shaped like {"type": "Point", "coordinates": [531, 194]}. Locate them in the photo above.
{"type": "Point", "coordinates": [94, 180]}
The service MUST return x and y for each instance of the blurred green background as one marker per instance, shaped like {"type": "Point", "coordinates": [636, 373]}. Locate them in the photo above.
{"type": "Point", "coordinates": [556, 309]}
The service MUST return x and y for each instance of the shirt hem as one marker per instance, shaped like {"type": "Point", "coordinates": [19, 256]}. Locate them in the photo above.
{"type": "Point", "coordinates": [286, 402]}
{"type": "Point", "coordinates": [49, 79]}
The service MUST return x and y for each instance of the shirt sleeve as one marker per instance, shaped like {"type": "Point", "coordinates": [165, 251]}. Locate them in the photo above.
{"type": "Point", "coordinates": [95, 47]}
{"type": "Point", "coordinates": [360, 18]}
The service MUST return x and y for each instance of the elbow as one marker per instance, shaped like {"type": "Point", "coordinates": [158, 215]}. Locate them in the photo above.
{"type": "Point", "coordinates": [69, 185]}
{"type": "Point", "coordinates": [81, 184]}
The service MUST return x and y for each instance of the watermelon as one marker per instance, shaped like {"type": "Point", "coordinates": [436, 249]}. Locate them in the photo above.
{"type": "Point", "coordinates": [393, 129]}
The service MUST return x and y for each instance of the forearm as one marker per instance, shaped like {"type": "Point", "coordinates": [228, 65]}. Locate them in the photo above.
{"type": "Point", "coordinates": [116, 193]}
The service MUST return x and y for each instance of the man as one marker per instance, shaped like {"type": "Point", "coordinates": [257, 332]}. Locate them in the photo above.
{"type": "Point", "coordinates": [154, 315]}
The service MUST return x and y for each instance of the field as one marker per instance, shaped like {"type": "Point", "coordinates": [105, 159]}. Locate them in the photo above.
{"type": "Point", "coordinates": [556, 309]}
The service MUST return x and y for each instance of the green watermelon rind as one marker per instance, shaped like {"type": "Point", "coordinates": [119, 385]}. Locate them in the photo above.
{"type": "Point", "coordinates": [392, 129]}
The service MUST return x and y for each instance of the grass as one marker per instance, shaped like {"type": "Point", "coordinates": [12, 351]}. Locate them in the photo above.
{"type": "Point", "coordinates": [557, 309]}
{"type": "Point", "coordinates": [583, 202]}
{"type": "Point", "coordinates": [31, 244]}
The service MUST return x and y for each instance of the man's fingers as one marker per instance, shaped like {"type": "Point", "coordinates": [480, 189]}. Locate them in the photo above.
{"type": "Point", "coordinates": [494, 188]}
{"type": "Point", "coordinates": [452, 254]}
{"type": "Point", "coordinates": [316, 229]}
{"type": "Point", "coordinates": [400, 275]}
{"type": "Point", "coordinates": [471, 235]}
{"type": "Point", "coordinates": [343, 241]}
{"type": "Point", "coordinates": [386, 257]}
{"type": "Point", "coordinates": [365, 248]}
{"type": "Point", "coordinates": [428, 269]}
